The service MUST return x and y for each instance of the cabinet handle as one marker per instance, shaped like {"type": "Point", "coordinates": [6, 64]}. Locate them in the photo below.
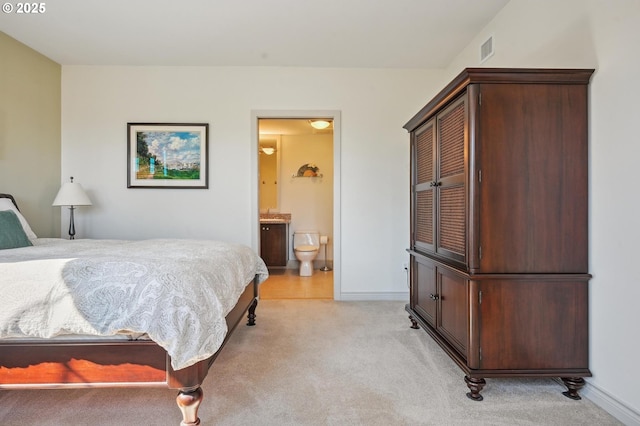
{"type": "Point", "coordinates": [434, 296]}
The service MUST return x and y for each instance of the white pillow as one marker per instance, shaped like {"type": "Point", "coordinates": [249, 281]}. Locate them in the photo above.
{"type": "Point", "coordinates": [7, 204]}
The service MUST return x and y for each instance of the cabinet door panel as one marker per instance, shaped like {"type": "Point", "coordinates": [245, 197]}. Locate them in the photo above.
{"type": "Point", "coordinates": [451, 199]}
{"type": "Point", "coordinates": [453, 321]}
{"type": "Point", "coordinates": [423, 188]}
{"type": "Point", "coordinates": [273, 244]}
{"type": "Point", "coordinates": [527, 324]}
{"type": "Point", "coordinates": [425, 290]}
{"type": "Point", "coordinates": [424, 219]}
{"type": "Point", "coordinates": [451, 140]}
{"type": "Point", "coordinates": [533, 195]}
{"type": "Point", "coordinates": [452, 221]}
{"type": "Point", "coordinates": [424, 153]}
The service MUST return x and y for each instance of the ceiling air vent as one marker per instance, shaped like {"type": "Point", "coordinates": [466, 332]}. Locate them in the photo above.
{"type": "Point", "coordinates": [486, 49]}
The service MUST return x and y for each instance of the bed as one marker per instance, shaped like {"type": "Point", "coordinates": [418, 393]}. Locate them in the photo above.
{"type": "Point", "coordinates": [115, 313]}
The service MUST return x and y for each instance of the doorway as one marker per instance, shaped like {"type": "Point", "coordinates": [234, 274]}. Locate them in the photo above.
{"type": "Point", "coordinates": [310, 197]}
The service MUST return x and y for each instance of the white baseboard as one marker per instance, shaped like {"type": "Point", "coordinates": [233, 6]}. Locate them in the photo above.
{"type": "Point", "coordinates": [352, 297]}
{"type": "Point", "coordinates": [620, 411]}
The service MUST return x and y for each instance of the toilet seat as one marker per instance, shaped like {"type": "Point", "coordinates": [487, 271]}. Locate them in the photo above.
{"type": "Point", "coordinates": [306, 248]}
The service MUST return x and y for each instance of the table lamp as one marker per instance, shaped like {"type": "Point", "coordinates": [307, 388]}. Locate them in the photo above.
{"type": "Point", "coordinates": [71, 194]}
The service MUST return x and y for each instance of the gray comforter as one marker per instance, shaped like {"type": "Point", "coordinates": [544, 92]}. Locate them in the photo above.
{"type": "Point", "coordinates": [178, 292]}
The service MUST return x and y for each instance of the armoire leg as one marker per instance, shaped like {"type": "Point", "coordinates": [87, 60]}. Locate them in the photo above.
{"type": "Point", "coordinates": [573, 384]}
{"type": "Point", "coordinates": [475, 386]}
{"type": "Point", "coordinates": [414, 323]}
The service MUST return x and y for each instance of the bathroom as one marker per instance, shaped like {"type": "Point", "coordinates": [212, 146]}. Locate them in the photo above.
{"type": "Point", "coordinates": [296, 178]}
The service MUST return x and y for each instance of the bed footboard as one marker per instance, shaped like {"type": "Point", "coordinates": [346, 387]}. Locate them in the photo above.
{"type": "Point", "coordinates": [114, 363]}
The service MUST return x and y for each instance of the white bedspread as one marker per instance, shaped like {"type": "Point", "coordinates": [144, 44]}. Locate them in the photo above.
{"type": "Point", "coordinates": [176, 291]}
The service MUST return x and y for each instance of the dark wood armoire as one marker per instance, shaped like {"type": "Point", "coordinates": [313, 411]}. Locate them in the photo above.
{"type": "Point", "coordinates": [499, 224]}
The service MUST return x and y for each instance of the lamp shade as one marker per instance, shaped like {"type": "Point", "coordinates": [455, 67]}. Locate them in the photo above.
{"type": "Point", "coordinates": [71, 194]}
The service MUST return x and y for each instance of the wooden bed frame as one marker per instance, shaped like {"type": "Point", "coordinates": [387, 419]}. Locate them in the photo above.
{"type": "Point", "coordinates": [113, 362]}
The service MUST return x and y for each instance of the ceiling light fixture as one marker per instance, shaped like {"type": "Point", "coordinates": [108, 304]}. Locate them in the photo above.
{"type": "Point", "coordinates": [320, 124]}
{"type": "Point", "coordinates": [268, 150]}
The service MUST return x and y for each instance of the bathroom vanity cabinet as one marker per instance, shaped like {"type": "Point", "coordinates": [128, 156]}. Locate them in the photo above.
{"type": "Point", "coordinates": [499, 244]}
{"type": "Point", "coordinates": [273, 244]}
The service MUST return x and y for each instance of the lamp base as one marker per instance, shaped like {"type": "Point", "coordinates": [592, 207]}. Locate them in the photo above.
{"type": "Point", "coordinates": [72, 227]}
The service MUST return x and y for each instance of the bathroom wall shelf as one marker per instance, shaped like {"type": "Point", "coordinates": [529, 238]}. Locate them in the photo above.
{"type": "Point", "coordinates": [316, 176]}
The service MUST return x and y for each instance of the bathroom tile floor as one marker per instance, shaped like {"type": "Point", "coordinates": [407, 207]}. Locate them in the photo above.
{"type": "Point", "coordinates": [287, 284]}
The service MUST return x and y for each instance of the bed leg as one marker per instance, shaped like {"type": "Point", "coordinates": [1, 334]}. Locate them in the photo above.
{"type": "Point", "coordinates": [189, 402]}
{"type": "Point", "coordinates": [252, 313]}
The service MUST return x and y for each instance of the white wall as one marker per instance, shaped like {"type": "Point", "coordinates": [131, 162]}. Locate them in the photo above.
{"type": "Point", "coordinates": [603, 35]}
{"type": "Point", "coordinates": [98, 101]}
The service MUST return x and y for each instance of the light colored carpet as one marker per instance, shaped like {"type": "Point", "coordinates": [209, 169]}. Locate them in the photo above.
{"type": "Point", "coordinates": [320, 362]}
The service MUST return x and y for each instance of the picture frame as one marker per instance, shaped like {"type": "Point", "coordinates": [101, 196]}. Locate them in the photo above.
{"type": "Point", "coordinates": [168, 155]}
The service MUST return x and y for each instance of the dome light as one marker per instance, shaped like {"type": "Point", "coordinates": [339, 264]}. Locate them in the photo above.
{"type": "Point", "coordinates": [320, 124]}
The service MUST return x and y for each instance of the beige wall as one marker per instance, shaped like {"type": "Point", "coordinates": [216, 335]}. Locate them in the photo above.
{"type": "Point", "coordinates": [30, 133]}
{"type": "Point", "coordinates": [309, 200]}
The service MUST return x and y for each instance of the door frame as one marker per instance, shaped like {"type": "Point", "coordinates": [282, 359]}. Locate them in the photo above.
{"type": "Point", "coordinates": [255, 217]}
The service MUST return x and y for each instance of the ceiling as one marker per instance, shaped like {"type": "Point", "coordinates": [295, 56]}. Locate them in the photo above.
{"type": "Point", "coordinates": [298, 33]}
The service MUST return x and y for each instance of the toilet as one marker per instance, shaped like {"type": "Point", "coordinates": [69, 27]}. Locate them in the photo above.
{"type": "Point", "coordinates": [306, 245]}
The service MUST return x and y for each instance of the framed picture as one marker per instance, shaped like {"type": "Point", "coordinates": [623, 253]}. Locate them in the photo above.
{"type": "Point", "coordinates": [167, 155]}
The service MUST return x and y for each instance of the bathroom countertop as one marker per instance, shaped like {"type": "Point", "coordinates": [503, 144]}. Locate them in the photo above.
{"type": "Point", "coordinates": [275, 217]}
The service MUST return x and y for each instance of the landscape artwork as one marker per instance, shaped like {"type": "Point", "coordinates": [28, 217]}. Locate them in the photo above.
{"type": "Point", "coordinates": [164, 155]}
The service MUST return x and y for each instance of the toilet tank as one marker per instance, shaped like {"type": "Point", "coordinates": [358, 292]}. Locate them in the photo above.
{"type": "Point", "coordinates": [306, 238]}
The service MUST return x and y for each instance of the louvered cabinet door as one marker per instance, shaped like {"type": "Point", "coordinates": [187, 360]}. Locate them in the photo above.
{"type": "Point", "coordinates": [424, 188]}
{"type": "Point", "coordinates": [451, 225]}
